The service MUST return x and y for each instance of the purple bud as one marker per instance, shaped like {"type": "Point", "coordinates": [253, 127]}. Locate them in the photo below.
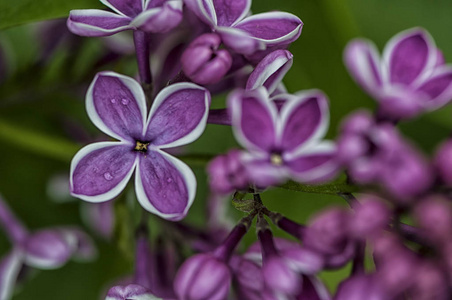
{"type": "Point", "coordinates": [443, 162]}
{"type": "Point", "coordinates": [203, 277]}
{"type": "Point", "coordinates": [227, 173]}
{"type": "Point", "coordinates": [434, 215]}
{"type": "Point", "coordinates": [371, 216]}
{"type": "Point", "coordinates": [249, 278]}
{"type": "Point", "coordinates": [358, 123]}
{"type": "Point", "coordinates": [279, 276]}
{"type": "Point", "coordinates": [303, 260]}
{"type": "Point", "coordinates": [47, 249]}
{"type": "Point", "coordinates": [430, 283]}
{"type": "Point", "coordinates": [129, 292]}
{"type": "Point", "coordinates": [359, 288]}
{"type": "Point", "coordinates": [203, 62]}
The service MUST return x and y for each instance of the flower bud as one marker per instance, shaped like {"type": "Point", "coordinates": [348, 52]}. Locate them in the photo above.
{"type": "Point", "coordinates": [131, 291]}
{"type": "Point", "coordinates": [360, 287]}
{"type": "Point", "coordinates": [279, 276]}
{"type": "Point", "coordinates": [227, 173]}
{"type": "Point", "coordinates": [203, 62]}
{"type": "Point", "coordinates": [434, 215]}
{"type": "Point", "coordinates": [371, 216]}
{"type": "Point", "coordinates": [443, 162]}
{"type": "Point", "coordinates": [203, 277]}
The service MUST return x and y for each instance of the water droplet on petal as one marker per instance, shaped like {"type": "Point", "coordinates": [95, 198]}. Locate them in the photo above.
{"type": "Point", "coordinates": [125, 101]}
{"type": "Point", "coordinates": [108, 176]}
{"type": "Point", "coordinates": [113, 100]}
{"type": "Point", "coordinates": [169, 180]}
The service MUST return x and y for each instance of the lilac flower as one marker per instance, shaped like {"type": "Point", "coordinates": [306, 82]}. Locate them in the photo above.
{"type": "Point", "coordinates": [129, 292]}
{"type": "Point", "coordinates": [360, 287]}
{"type": "Point", "coordinates": [144, 15]}
{"type": "Point", "coordinates": [116, 104]}
{"type": "Point", "coordinates": [410, 77]}
{"type": "Point", "coordinates": [283, 144]}
{"type": "Point", "coordinates": [376, 153]}
{"type": "Point", "coordinates": [443, 162]}
{"type": "Point", "coordinates": [243, 33]}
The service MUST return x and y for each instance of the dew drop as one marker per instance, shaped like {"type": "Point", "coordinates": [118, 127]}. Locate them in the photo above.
{"type": "Point", "coordinates": [108, 176]}
{"type": "Point", "coordinates": [125, 101]}
{"type": "Point", "coordinates": [169, 180]}
{"type": "Point", "coordinates": [113, 100]}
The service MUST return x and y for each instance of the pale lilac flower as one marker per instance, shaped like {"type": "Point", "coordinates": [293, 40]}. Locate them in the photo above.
{"type": "Point", "coordinates": [410, 78]}
{"type": "Point", "coordinates": [243, 33]}
{"type": "Point", "coordinates": [143, 15]}
{"type": "Point", "coordinates": [130, 292]}
{"type": "Point", "coordinates": [283, 144]}
{"type": "Point", "coordinates": [116, 104]}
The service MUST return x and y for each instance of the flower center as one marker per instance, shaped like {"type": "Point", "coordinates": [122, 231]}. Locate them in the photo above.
{"type": "Point", "coordinates": [141, 146]}
{"type": "Point", "coordinates": [276, 159]}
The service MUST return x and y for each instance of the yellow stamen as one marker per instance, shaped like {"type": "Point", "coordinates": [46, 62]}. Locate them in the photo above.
{"type": "Point", "coordinates": [140, 146]}
{"type": "Point", "coordinates": [276, 159]}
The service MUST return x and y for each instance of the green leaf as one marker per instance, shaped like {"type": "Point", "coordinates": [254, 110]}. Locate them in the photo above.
{"type": "Point", "coordinates": [17, 12]}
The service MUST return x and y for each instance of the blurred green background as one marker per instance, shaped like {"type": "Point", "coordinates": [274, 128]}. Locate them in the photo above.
{"type": "Point", "coordinates": [44, 98]}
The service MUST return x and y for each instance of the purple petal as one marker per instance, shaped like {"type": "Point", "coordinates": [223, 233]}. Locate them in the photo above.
{"type": "Point", "coordinates": [178, 115]}
{"type": "Point", "coordinates": [263, 173]}
{"type": "Point", "coordinates": [165, 186]}
{"type": "Point", "coordinates": [99, 217]}
{"type": "Point", "coordinates": [83, 248]}
{"type": "Point", "coordinates": [203, 9]}
{"type": "Point", "coordinates": [438, 87]}
{"type": "Point", "coordinates": [239, 40]}
{"type": "Point", "coordinates": [254, 119]}
{"type": "Point", "coordinates": [95, 22]}
{"type": "Point", "coordinates": [129, 292]}
{"type": "Point", "coordinates": [313, 289]}
{"type": "Point", "coordinates": [129, 8]}
{"type": "Point", "coordinates": [47, 249]}
{"type": "Point", "coordinates": [270, 71]}
{"type": "Point", "coordinates": [363, 62]}
{"type": "Point", "coordinates": [305, 119]}
{"type": "Point", "coordinates": [116, 105]}
{"type": "Point", "coordinates": [274, 28]}
{"type": "Point", "coordinates": [160, 19]}
{"type": "Point", "coordinates": [402, 102]}
{"type": "Point", "coordinates": [10, 266]}
{"type": "Point", "coordinates": [316, 163]}
{"type": "Point", "coordinates": [100, 171]}
{"type": "Point", "coordinates": [408, 55]}
{"type": "Point", "coordinates": [231, 11]}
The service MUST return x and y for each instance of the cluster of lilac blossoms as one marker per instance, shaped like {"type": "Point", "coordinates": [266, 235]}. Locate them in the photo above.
{"type": "Point", "coordinates": [187, 53]}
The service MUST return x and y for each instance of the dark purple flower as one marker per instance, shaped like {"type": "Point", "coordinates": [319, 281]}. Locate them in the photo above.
{"type": "Point", "coordinates": [410, 77]}
{"type": "Point", "coordinates": [129, 292]}
{"type": "Point", "coordinates": [148, 16]}
{"type": "Point", "coordinates": [203, 62]}
{"type": "Point", "coordinates": [376, 153]}
{"type": "Point", "coordinates": [243, 33]}
{"type": "Point", "coordinates": [283, 144]}
{"type": "Point", "coordinates": [116, 104]}
{"type": "Point", "coordinates": [203, 277]}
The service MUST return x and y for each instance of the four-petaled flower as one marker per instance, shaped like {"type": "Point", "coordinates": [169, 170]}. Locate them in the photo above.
{"type": "Point", "coordinates": [144, 15]}
{"type": "Point", "coordinates": [116, 105]}
{"type": "Point", "coordinates": [283, 142]}
{"type": "Point", "coordinates": [243, 33]}
{"type": "Point", "coordinates": [410, 78]}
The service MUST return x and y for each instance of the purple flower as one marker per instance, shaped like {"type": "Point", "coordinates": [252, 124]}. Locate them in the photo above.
{"type": "Point", "coordinates": [443, 162]}
{"type": "Point", "coordinates": [203, 277]}
{"type": "Point", "coordinates": [129, 292]}
{"type": "Point", "coordinates": [203, 62]}
{"type": "Point", "coordinates": [283, 144]}
{"type": "Point", "coordinates": [376, 153]}
{"type": "Point", "coordinates": [116, 104]}
{"type": "Point", "coordinates": [243, 33]}
{"type": "Point", "coordinates": [147, 15]}
{"type": "Point", "coordinates": [360, 287]}
{"type": "Point", "coordinates": [410, 77]}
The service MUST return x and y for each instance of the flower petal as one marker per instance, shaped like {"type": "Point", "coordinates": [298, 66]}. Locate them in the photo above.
{"type": "Point", "coordinates": [160, 19]}
{"type": "Point", "coordinates": [116, 105]}
{"type": "Point", "coordinates": [10, 266]}
{"type": "Point", "coordinates": [304, 119]}
{"type": "Point", "coordinates": [129, 8]}
{"type": "Point", "coordinates": [99, 217]}
{"type": "Point", "coordinates": [315, 164]}
{"type": "Point", "coordinates": [231, 11]}
{"type": "Point", "coordinates": [129, 292]}
{"type": "Point", "coordinates": [239, 40]}
{"type": "Point", "coordinates": [270, 71]}
{"type": "Point", "coordinates": [165, 185]}
{"type": "Point", "coordinates": [363, 62]}
{"type": "Point", "coordinates": [254, 119]}
{"type": "Point", "coordinates": [408, 55]}
{"type": "Point", "coordinates": [47, 249]}
{"type": "Point", "coordinates": [178, 115]}
{"type": "Point", "coordinates": [273, 28]}
{"type": "Point", "coordinates": [204, 9]}
{"type": "Point", "coordinates": [100, 171]}
{"type": "Point", "coordinates": [438, 87]}
{"type": "Point", "coordinates": [82, 246]}
{"type": "Point", "coordinates": [95, 22]}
